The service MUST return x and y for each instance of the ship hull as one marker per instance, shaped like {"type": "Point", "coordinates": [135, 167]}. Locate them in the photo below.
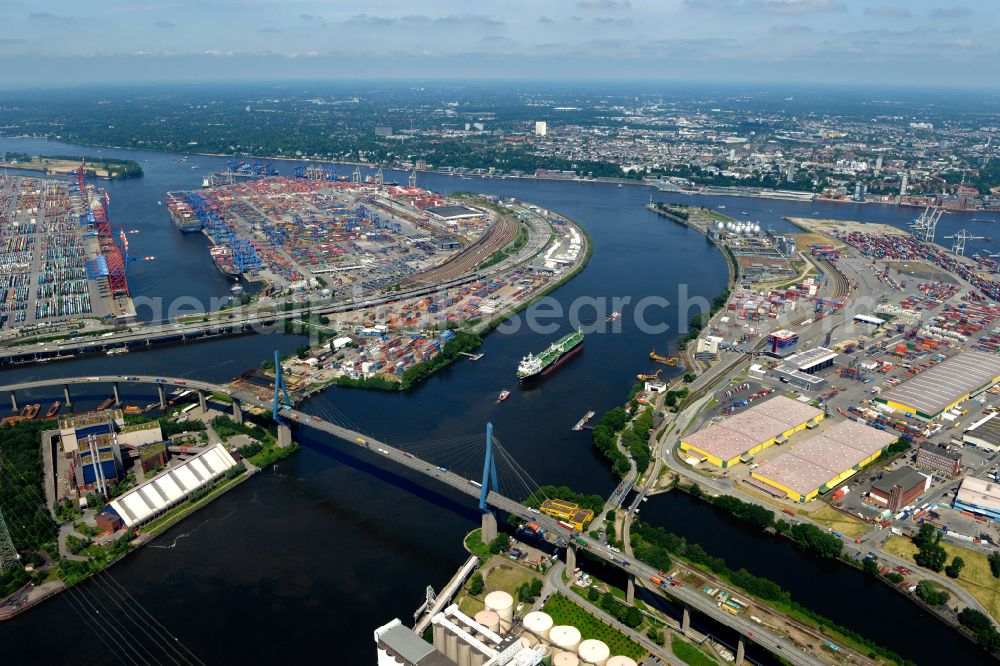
{"type": "Point", "coordinates": [554, 365]}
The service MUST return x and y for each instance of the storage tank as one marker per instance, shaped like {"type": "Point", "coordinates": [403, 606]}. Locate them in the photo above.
{"type": "Point", "coordinates": [489, 619]}
{"type": "Point", "coordinates": [538, 623]}
{"type": "Point", "coordinates": [464, 654]}
{"type": "Point", "coordinates": [503, 604]}
{"type": "Point", "coordinates": [565, 659]}
{"type": "Point", "coordinates": [564, 637]}
{"type": "Point", "coordinates": [619, 660]}
{"type": "Point", "coordinates": [594, 652]}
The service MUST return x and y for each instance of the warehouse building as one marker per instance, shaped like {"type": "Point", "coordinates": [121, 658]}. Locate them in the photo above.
{"type": "Point", "coordinates": [980, 497]}
{"type": "Point", "coordinates": [795, 377]}
{"type": "Point", "coordinates": [949, 383]}
{"type": "Point", "coordinates": [984, 433]}
{"type": "Point", "coordinates": [567, 511]}
{"type": "Point", "coordinates": [939, 459]}
{"type": "Point", "coordinates": [822, 462]}
{"type": "Point", "coordinates": [898, 488]}
{"type": "Point", "coordinates": [749, 432]}
{"type": "Point", "coordinates": [812, 361]}
{"type": "Point", "coordinates": [172, 487]}
{"type": "Point", "coordinates": [453, 213]}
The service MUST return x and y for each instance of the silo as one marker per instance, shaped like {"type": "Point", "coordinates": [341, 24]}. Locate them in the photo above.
{"type": "Point", "coordinates": [489, 619]}
{"type": "Point", "coordinates": [464, 654]}
{"type": "Point", "coordinates": [619, 660]}
{"type": "Point", "coordinates": [593, 652]}
{"type": "Point", "coordinates": [439, 637]}
{"type": "Point", "coordinates": [565, 659]}
{"type": "Point", "coordinates": [503, 604]}
{"type": "Point", "coordinates": [451, 645]}
{"type": "Point", "coordinates": [538, 623]}
{"type": "Point", "coordinates": [564, 638]}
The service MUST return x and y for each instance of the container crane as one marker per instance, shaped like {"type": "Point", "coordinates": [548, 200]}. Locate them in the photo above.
{"type": "Point", "coordinates": [925, 225]}
{"type": "Point", "coordinates": [958, 247]}
{"type": "Point", "coordinates": [665, 360]}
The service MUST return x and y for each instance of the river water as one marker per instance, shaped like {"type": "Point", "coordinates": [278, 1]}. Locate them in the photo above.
{"type": "Point", "coordinates": [308, 557]}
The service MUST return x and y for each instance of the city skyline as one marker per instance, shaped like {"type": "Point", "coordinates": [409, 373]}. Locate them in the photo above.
{"type": "Point", "coordinates": [792, 41]}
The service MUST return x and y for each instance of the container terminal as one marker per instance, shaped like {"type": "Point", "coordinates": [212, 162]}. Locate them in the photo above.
{"type": "Point", "coordinates": [60, 260]}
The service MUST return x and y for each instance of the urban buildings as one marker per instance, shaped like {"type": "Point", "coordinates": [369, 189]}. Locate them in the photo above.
{"type": "Point", "coordinates": [898, 488]}
{"type": "Point", "coordinates": [939, 459]}
{"type": "Point", "coordinates": [979, 497]}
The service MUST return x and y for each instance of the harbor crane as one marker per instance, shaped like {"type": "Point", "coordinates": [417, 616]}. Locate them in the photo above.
{"type": "Point", "coordinates": [379, 178]}
{"type": "Point", "coordinates": [356, 176]}
{"type": "Point", "coordinates": [413, 178]}
{"type": "Point", "coordinates": [958, 247]}
{"type": "Point", "coordinates": [925, 225]}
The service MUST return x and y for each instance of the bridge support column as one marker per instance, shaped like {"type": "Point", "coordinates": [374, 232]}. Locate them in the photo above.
{"type": "Point", "coordinates": [570, 560]}
{"type": "Point", "coordinates": [69, 400]}
{"type": "Point", "coordinates": [630, 590]}
{"type": "Point", "coordinates": [13, 402]}
{"type": "Point", "coordinates": [741, 646]}
{"type": "Point", "coordinates": [163, 397]}
{"type": "Point", "coordinates": [284, 435]}
{"type": "Point", "coordinates": [489, 527]}
{"type": "Point", "coordinates": [202, 402]}
{"type": "Point", "coordinates": [114, 389]}
{"type": "Point", "coordinates": [237, 411]}
{"type": "Point", "coordinates": [686, 621]}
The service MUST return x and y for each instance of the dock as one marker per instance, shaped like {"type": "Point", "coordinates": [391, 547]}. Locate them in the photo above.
{"type": "Point", "coordinates": [583, 421]}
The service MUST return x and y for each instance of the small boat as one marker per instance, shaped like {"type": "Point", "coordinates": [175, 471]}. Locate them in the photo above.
{"type": "Point", "coordinates": [159, 203]}
{"type": "Point", "coordinates": [743, 212]}
{"type": "Point", "coordinates": [504, 394]}
{"type": "Point", "coordinates": [53, 410]}
{"type": "Point", "coordinates": [614, 316]}
{"type": "Point", "coordinates": [721, 206]}
{"type": "Point", "coordinates": [620, 185]}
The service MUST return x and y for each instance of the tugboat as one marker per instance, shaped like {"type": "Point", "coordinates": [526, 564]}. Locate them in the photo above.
{"type": "Point", "coordinates": [614, 316]}
{"type": "Point", "coordinates": [504, 394]}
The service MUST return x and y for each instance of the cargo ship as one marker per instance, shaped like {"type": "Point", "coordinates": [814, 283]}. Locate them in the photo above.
{"type": "Point", "coordinates": [222, 257]}
{"type": "Point", "coordinates": [532, 367]}
{"type": "Point", "coordinates": [182, 214]}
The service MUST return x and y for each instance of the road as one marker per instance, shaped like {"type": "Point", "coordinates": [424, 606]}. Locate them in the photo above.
{"type": "Point", "coordinates": [694, 599]}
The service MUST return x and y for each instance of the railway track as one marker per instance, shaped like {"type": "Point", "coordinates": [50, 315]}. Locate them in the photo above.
{"type": "Point", "coordinates": [501, 232]}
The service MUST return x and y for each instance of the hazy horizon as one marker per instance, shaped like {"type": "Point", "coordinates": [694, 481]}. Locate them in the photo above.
{"type": "Point", "coordinates": [930, 43]}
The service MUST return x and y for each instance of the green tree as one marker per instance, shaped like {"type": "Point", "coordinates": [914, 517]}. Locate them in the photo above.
{"type": "Point", "coordinates": [633, 617]}
{"type": "Point", "coordinates": [955, 568]}
{"type": "Point", "coordinates": [929, 594]}
{"type": "Point", "coordinates": [593, 595]}
{"type": "Point", "coordinates": [499, 544]}
{"type": "Point", "coordinates": [870, 565]}
{"type": "Point", "coordinates": [994, 560]}
{"type": "Point", "coordinates": [476, 584]}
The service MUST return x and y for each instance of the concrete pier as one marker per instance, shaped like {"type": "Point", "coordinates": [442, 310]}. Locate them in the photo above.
{"type": "Point", "coordinates": [163, 397]}
{"type": "Point", "coordinates": [570, 560]}
{"type": "Point", "coordinates": [741, 650]}
{"type": "Point", "coordinates": [114, 389]}
{"type": "Point", "coordinates": [489, 527]}
{"type": "Point", "coordinates": [686, 621]}
{"type": "Point", "coordinates": [68, 399]}
{"type": "Point", "coordinates": [202, 402]}
{"type": "Point", "coordinates": [13, 402]}
{"type": "Point", "coordinates": [630, 590]}
{"type": "Point", "coordinates": [237, 411]}
{"type": "Point", "coordinates": [284, 435]}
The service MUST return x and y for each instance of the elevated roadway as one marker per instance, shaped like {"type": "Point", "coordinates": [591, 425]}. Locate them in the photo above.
{"type": "Point", "coordinates": [570, 539]}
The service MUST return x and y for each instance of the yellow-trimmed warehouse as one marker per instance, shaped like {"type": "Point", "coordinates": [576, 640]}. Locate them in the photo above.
{"type": "Point", "coordinates": [949, 383]}
{"type": "Point", "coordinates": [822, 462]}
{"type": "Point", "coordinates": [748, 432]}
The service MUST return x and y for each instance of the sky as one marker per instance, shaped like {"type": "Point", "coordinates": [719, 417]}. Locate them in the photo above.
{"type": "Point", "coordinates": [894, 42]}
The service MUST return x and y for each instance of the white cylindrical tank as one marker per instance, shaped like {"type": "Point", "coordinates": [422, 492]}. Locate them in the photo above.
{"type": "Point", "coordinates": [594, 652]}
{"type": "Point", "coordinates": [619, 660]}
{"type": "Point", "coordinates": [538, 623]}
{"type": "Point", "coordinates": [489, 619]}
{"type": "Point", "coordinates": [503, 604]}
{"type": "Point", "coordinates": [564, 637]}
{"type": "Point", "coordinates": [565, 659]}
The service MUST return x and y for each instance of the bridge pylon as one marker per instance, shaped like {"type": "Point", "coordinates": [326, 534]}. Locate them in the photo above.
{"type": "Point", "coordinates": [279, 389]}
{"type": "Point", "coordinates": [489, 471]}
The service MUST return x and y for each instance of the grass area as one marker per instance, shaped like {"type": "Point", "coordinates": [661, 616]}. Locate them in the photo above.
{"type": "Point", "coordinates": [564, 611]}
{"type": "Point", "coordinates": [474, 544]}
{"type": "Point", "coordinates": [975, 576]}
{"type": "Point", "coordinates": [170, 517]}
{"type": "Point", "coordinates": [218, 396]}
{"type": "Point", "coordinates": [507, 577]}
{"type": "Point", "coordinates": [689, 653]}
{"type": "Point", "coordinates": [847, 525]}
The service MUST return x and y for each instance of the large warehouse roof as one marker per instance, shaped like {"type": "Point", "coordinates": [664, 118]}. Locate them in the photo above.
{"type": "Point", "coordinates": [172, 486]}
{"type": "Point", "coordinates": [940, 387]}
{"type": "Point", "coordinates": [979, 493]}
{"type": "Point", "coordinates": [809, 465]}
{"type": "Point", "coordinates": [742, 432]}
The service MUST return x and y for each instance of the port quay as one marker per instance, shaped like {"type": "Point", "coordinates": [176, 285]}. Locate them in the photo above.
{"type": "Point", "coordinates": [336, 249]}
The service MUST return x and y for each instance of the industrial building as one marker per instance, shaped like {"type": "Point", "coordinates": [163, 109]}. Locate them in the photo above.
{"type": "Point", "coordinates": [750, 431]}
{"type": "Point", "coordinates": [795, 377]}
{"type": "Point", "coordinates": [939, 459]}
{"type": "Point", "coordinates": [945, 385]}
{"type": "Point", "coordinates": [84, 424]}
{"type": "Point", "coordinates": [984, 433]}
{"type": "Point", "coordinates": [800, 368]}
{"type": "Point", "coordinates": [898, 488]}
{"type": "Point", "coordinates": [980, 497]}
{"type": "Point", "coordinates": [820, 463]}
{"type": "Point", "coordinates": [172, 486]}
{"type": "Point", "coordinates": [782, 343]}
{"type": "Point", "coordinates": [567, 512]}
{"type": "Point", "coordinates": [453, 213]}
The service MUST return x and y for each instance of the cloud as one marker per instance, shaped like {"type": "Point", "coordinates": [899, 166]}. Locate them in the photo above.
{"type": "Point", "coordinates": [366, 19]}
{"type": "Point", "coordinates": [11, 41]}
{"type": "Point", "coordinates": [49, 17]}
{"type": "Point", "coordinates": [469, 19]}
{"type": "Point", "coordinates": [603, 4]}
{"type": "Point", "coordinates": [790, 29]}
{"type": "Point", "coordinates": [800, 6]}
{"type": "Point", "coordinates": [497, 38]}
{"type": "Point", "coordinates": [270, 30]}
{"type": "Point", "coordinates": [621, 22]}
{"type": "Point", "coordinates": [165, 24]}
{"type": "Point", "coordinates": [311, 18]}
{"type": "Point", "coordinates": [888, 11]}
{"type": "Point", "coordinates": [546, 20]}
{"type": "Point", "coordinates": [951, 12]}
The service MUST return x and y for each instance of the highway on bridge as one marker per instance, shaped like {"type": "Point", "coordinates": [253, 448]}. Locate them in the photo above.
{"type": "Point", "coordinates": [687, 596]}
